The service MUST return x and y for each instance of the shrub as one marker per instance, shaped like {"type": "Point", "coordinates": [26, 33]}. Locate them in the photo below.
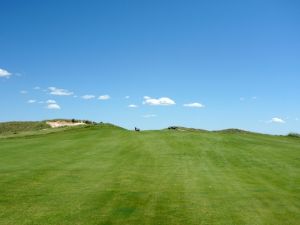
{"type": "Point", "coordinates": [294, 135]}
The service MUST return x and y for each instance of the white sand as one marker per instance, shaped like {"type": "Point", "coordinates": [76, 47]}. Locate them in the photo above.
{"type": "Point", "coordinates": [63, 124]}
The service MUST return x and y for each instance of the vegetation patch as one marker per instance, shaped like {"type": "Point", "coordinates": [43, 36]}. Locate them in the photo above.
{"type": "Point", "coordinates": [8, 128]}
{"type": "Point", "coordinates": [294, 135]}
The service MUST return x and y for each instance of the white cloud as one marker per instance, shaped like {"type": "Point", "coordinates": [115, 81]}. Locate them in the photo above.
{"type": "Point", "coordinates": [53, 106]}
{"type": "Point", "coordinates": [23, 92]}
{"type": "Point", "coordinates": [242, 99]}
{"type": "Point", "coordinates": [60, 92]}
{"type": "Point", "coordinates": [159, 101]}
{"type": "Point", "coordinates": [277, 120]}
{"type": "Point", "coordinates": [127, 97]}
{"type": "Point", "coordinates": [297, 119]}
{"type": "Point", "coordinates": [87, 97]}
{"type": "Point", "coordinates": [132, 106]}
{"type": "Point", "coordinates": [194, 105]}
{"type": "Point", "coordinates": [50, 101]}
{"type": "Point", "coordinates": [104, 97]}
{"type": "Point", "coordinates": [149, 115]}
{"type": "Point", "coordinates": [31, 101]}
{"type": "Point", "coordinates": [37, 88]}
{"type": "Point", "coordinates": [4, 73]}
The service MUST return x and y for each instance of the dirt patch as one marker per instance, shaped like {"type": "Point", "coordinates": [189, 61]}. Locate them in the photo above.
{"type": "Point", "coordinates": [54, 124]}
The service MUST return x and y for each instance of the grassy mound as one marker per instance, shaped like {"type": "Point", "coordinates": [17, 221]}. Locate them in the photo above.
{"type": "Point", "coordinates": [107, 175]}
{"type": "Point", "coordinates": [17, 127]}
{"type": "Point", "coordinates": [233, 131]}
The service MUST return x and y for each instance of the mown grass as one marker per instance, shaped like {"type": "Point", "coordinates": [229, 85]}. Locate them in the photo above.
{"type": "Point", "coordinates": [107, 175]}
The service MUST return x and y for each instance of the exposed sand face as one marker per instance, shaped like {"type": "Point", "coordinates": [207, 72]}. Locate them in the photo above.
{"type": "Point", "coordinates": [63, 124]}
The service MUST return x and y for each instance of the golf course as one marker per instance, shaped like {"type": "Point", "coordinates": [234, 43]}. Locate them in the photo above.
{"type": "Point", "coordinates": [104, 174]}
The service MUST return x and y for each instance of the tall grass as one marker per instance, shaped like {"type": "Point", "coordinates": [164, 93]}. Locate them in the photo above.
{"type": "Point", "coordinates": [16, 127]}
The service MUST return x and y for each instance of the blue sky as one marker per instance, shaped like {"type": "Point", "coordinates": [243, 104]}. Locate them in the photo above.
{"type": "Point", "coordinates": [202, 64]}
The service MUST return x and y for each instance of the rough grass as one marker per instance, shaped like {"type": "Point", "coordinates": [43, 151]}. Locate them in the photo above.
{"type": "Point", "coordinates": [106, 175]}
{"type": "Point", "coordinates": [8, 128]}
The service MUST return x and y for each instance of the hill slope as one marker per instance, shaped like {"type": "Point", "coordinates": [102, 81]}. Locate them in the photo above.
{"type": "Point", "coordinates": [107, 175]}
{"type": "Point", "coordinates": [7, 128]}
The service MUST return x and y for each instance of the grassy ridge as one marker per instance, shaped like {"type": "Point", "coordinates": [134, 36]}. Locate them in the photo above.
{"type": "Point", "coordinates": [107, 175]}
{"type": "Point", "coordinates": [8, 128]}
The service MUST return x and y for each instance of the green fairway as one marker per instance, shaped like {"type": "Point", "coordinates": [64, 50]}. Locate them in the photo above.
{"type": "Point", "coordinates": [107, 175]}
